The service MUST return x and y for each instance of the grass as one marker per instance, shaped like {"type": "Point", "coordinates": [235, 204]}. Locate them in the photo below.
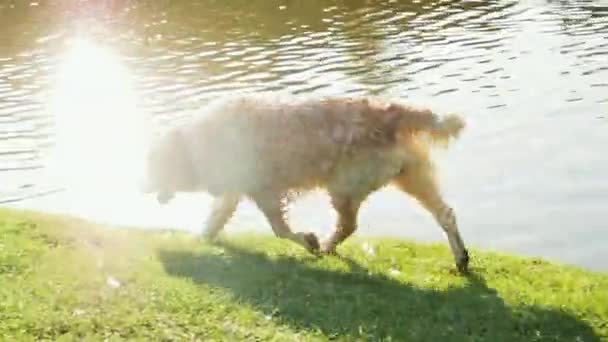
{"type": "Point", "coordinates": [65, 279]}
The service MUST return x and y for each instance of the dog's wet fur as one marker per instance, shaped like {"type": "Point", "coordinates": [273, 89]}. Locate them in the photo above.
{"type": "Point", "coordinates": [270, 147]}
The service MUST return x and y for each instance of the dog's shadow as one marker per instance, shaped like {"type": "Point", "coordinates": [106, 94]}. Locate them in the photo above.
{"type": "Point", "coordinates": [372, 307]}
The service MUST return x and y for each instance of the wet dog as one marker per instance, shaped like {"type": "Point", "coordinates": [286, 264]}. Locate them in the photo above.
{"type": "Point", "coordinates": [269, 148]}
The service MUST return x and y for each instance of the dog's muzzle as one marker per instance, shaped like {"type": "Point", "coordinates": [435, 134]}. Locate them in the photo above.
{"type": "Point", "coordinates": [164, 197]}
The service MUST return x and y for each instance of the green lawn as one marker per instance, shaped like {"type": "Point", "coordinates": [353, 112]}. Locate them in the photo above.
{"type": "Point", "coordinates": [67, 279]}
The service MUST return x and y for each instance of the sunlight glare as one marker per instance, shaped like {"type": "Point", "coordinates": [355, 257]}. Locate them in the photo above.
{"type": "Point", "coordinates": [100, 140]}
{"type": "Point", "coordinates": [100, 133]}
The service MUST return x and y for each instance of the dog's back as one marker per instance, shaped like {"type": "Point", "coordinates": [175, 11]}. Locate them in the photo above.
{"type": "Point", "coordinates": [261, 142]}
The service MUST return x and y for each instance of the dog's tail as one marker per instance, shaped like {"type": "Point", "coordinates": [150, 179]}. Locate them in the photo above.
{"type": "Point", "coordinates": [440, 129]}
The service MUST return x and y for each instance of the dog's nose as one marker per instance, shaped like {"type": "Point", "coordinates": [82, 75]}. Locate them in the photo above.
{"type": "Point", "coordinates": [164, 197]}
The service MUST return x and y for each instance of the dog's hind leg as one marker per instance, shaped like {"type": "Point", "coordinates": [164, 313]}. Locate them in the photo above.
{"type": "Point", "coordinates": [418, 181]}
{"type": "Point", "coordinates": [222, 209]}
{"type": "Point", "coordinates": [274, 211]}
{"type": "Point", "coordinates": [347, 208]}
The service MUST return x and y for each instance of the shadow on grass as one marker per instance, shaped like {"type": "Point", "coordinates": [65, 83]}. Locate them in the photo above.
{"type": "Point", "coordinates": [355, 304]}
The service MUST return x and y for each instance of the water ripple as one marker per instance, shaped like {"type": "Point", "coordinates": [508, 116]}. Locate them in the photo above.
{"type": "Point", "coordinates": [183, 53]}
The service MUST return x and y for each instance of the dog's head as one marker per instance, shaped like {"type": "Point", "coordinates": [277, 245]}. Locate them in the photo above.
{"type": "Point", "coordinates": [161, 170]}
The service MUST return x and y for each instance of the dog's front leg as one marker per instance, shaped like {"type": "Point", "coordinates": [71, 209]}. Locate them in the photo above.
{"type": "Point", "coordinates": [347, 208]}
{"type": "Point", "coordinates": [271, 207]}
{"type": "Point", "coordinates": [222, 209]}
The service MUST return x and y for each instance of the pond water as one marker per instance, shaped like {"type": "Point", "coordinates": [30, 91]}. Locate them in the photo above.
{"type": "Point", "coordinates": [82, 83]}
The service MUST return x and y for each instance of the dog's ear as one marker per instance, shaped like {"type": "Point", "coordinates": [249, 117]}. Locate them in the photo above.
{"type": "Point", "coordinates": [173, 145]}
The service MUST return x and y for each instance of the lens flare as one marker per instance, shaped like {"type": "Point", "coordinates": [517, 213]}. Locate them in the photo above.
{"type": "Point", "coordinates": [99, 132]}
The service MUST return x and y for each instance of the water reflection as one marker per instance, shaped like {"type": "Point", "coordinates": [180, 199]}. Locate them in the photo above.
{"type": "Point", "coordinates": [529, 76]}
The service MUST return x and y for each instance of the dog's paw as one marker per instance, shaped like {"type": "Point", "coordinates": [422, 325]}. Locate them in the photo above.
{"type": "Point", "coordinates": [209, 237]}
{"type": "Point", "coordinates": [462, 264]}
{"type": "Point", "coordinates": [328, 248]}
{"type": "Point", "coordinates": [310, 242]}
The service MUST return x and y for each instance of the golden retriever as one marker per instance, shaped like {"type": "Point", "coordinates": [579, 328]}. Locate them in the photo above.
{"type": "Point", "coordinates": [270, 147]}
